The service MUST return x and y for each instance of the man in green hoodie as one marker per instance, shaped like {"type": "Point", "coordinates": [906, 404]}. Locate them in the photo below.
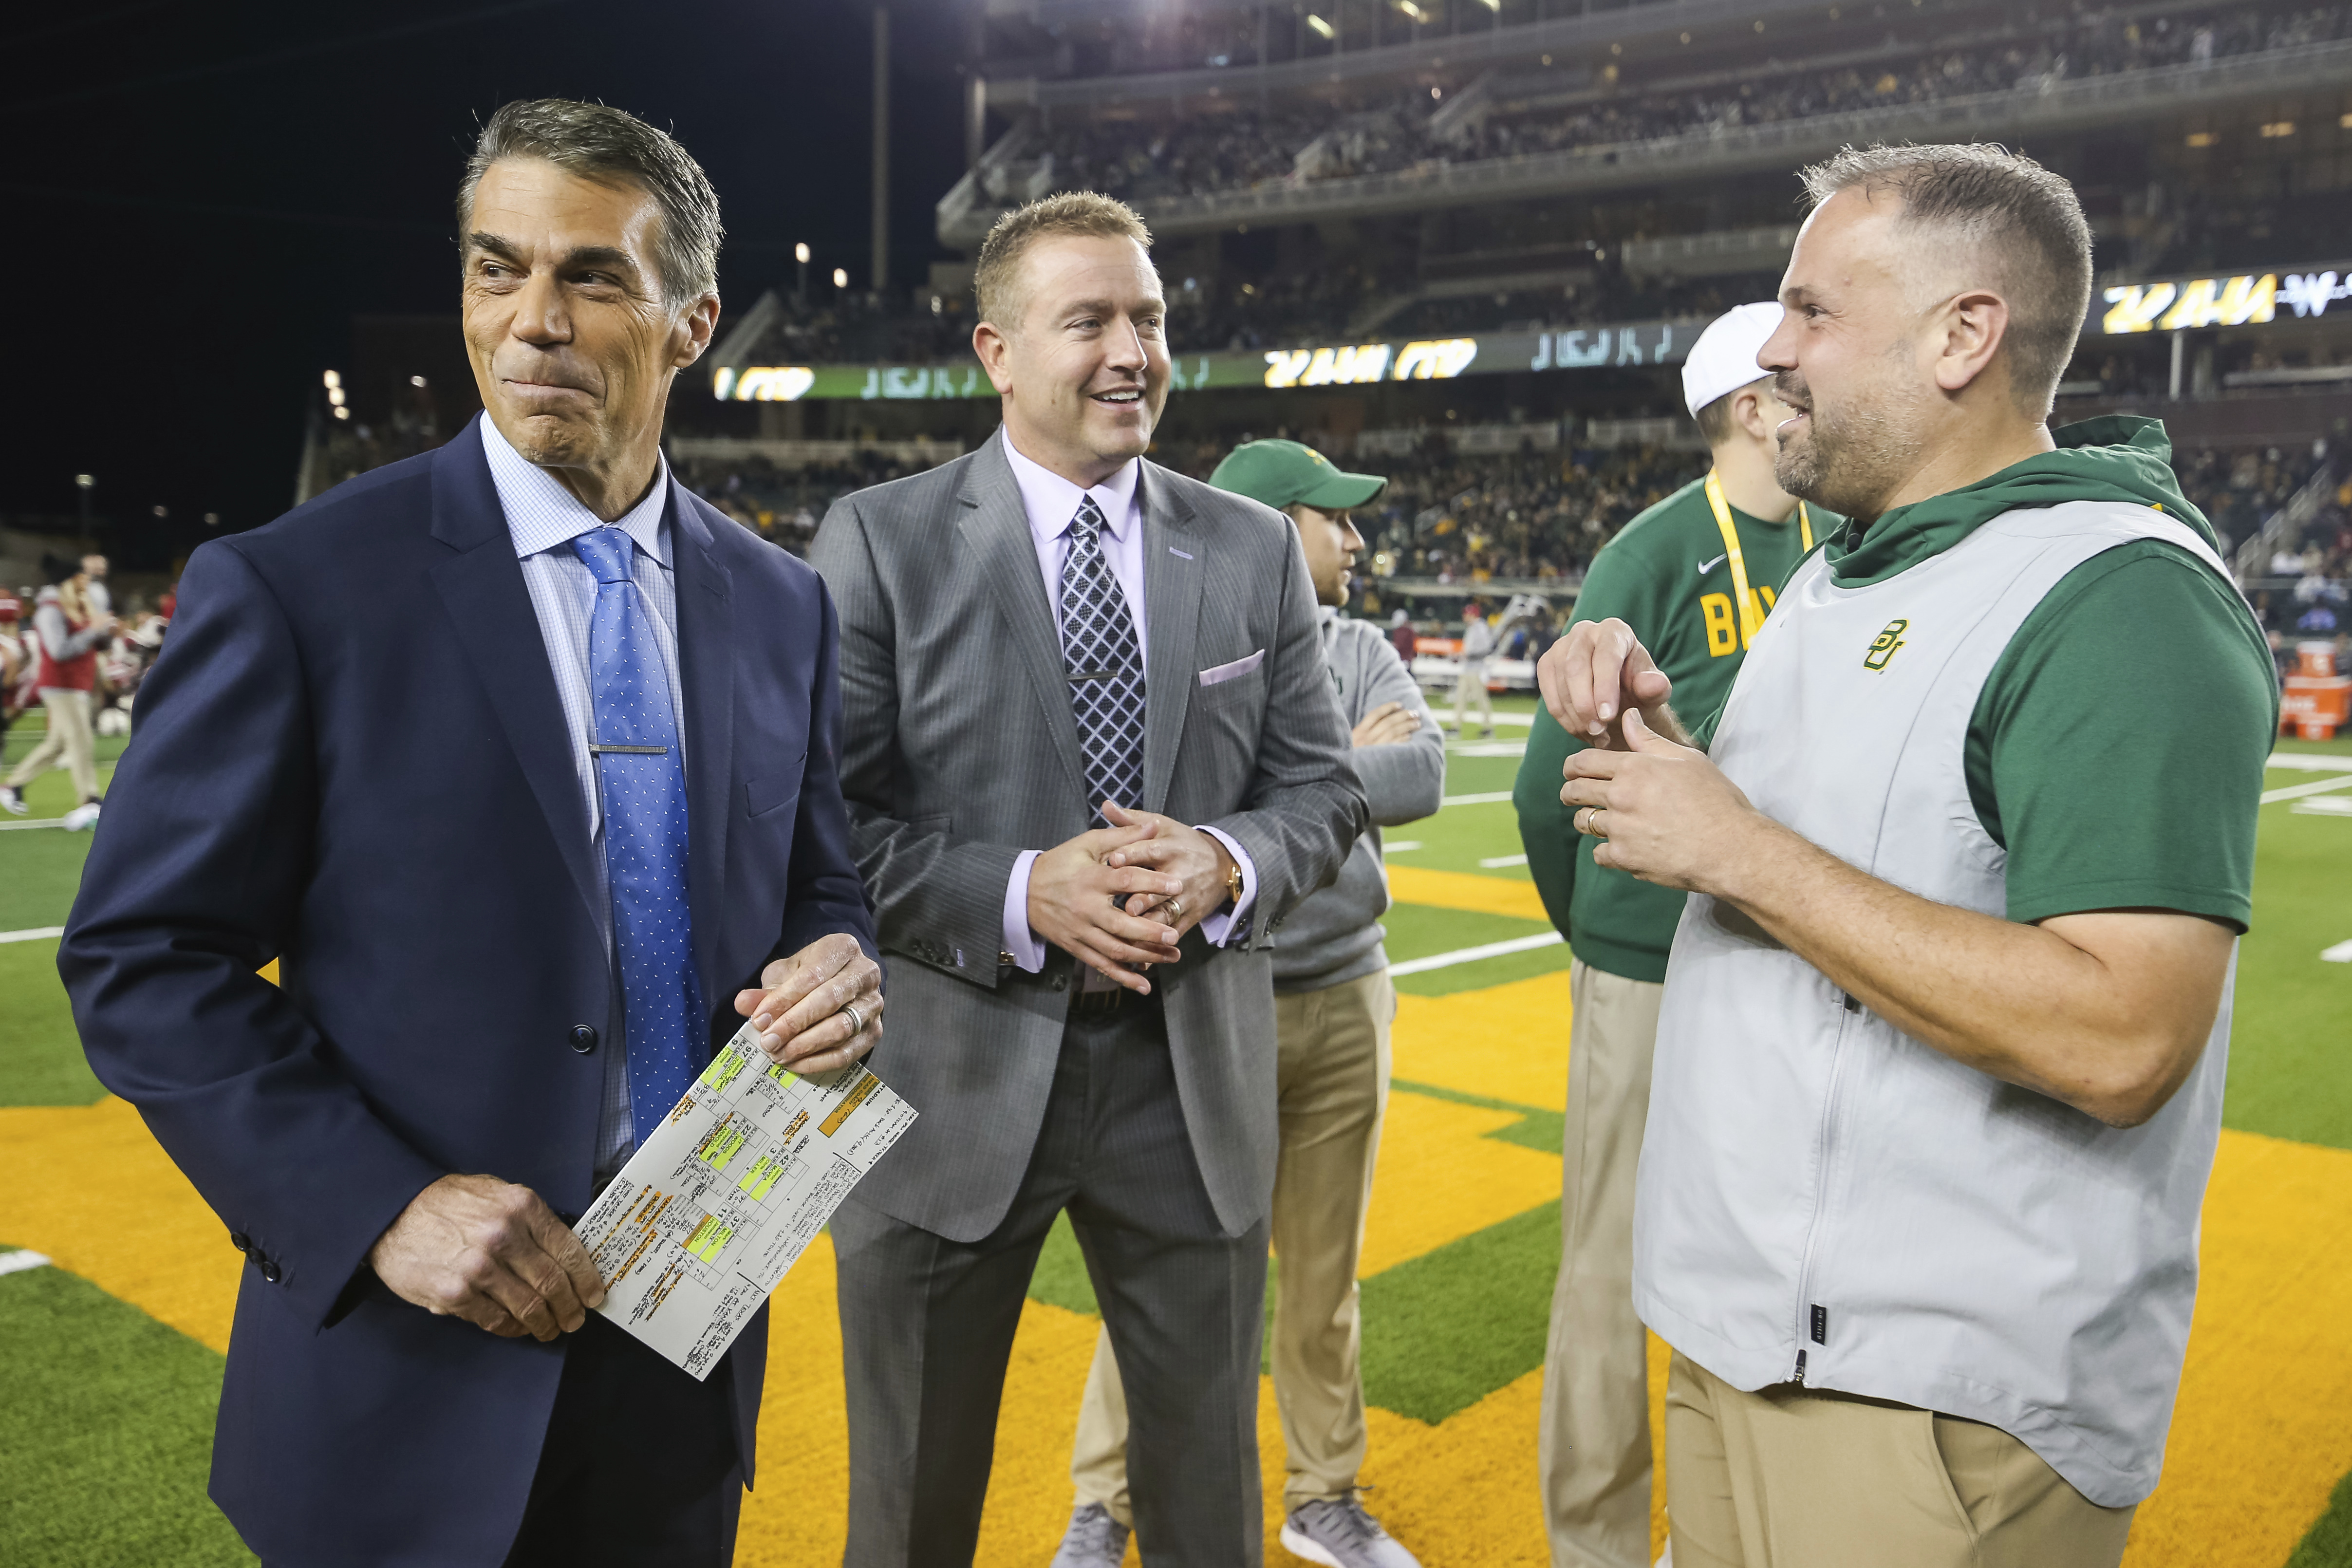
{"type": "Point", "coordinates": [1701, 567]}
{"type": "Point", "coordinates": [1939, 1062]}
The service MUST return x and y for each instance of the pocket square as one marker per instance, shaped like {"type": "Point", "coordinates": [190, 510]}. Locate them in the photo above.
{"type": "Point", "coordinates": [1233, 671]}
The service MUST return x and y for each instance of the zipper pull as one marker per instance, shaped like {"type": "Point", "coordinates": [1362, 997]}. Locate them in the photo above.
{"type": "Point", "coordinates": [1801, 1366]}
{"type": "Point", "coordinates": [1845, 999]}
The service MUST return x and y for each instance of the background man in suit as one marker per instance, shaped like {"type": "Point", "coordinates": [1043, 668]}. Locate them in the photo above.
{"type": "Point", "coordinates": [1333, 1008]}
{"type": "Point", "coordinates": [514, 872]}
{"type": "Point", "coordinates": [1052, 642]}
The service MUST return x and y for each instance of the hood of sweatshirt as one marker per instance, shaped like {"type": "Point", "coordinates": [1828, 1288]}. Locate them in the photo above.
{"type": "Point", "coordinates": [2119, 457]}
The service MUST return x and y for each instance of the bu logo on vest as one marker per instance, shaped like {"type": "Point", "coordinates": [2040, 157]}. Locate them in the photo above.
{"type": "Point", "coordinates": [1883, 649]}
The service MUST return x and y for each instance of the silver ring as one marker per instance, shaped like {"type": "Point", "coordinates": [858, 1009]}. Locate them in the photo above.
{"type": "Point", "coordinates": [857, 1019]}
{"type": "Point", "coordinates": [1175, 909]}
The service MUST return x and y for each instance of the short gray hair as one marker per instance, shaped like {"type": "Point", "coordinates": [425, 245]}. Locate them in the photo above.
{"type": "Point", "coordinates": [2024, 219]}
{"type": "Point", "coordinates": [610, 147]}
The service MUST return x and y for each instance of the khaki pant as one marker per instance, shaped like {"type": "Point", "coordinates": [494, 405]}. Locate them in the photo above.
{"type": "Point", "coordinates": [69, 738]}
{"type": "Point", "coordinates": [1793, 1478]}
{"type": "Point", "coordinates": [1593, 1447]}
{"type": "Point", "coordinates": [1470, 687]}
{"type": "Point", "coordinates": [1332, 1081]}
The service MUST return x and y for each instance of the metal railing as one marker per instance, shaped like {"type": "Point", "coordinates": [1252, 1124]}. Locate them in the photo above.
{"type": "Point", "coordinates": [2285, 528]}
{"type": "Point", "coordinates": [1731, 150]}
{"type": "Point", "coordinates": [1564, 34]}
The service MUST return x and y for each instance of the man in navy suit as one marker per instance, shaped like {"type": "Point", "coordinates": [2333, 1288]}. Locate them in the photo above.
{"type": "Point", "coordinates": [521, 760]}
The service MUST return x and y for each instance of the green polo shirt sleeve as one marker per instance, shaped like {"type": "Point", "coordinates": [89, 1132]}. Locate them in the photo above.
{"type": "Point", "coordinates": [1614, 921]}
{"type": "Point", "coordinates": [2117, 750]}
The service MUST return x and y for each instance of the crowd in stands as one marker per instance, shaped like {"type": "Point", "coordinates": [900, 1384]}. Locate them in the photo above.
{"type": "Point", "coordinates": [1244, 148]}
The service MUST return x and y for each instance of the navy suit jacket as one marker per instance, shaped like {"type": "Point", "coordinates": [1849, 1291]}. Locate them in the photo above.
{"type": "Point", "coordinates": [351, 758]}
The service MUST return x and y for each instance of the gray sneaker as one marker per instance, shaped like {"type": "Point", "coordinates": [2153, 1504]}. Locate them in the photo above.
{"type": "Point", "coordinates": [1338, 1533]}
{"type": "Point", "coordinates": [1093, 1539]}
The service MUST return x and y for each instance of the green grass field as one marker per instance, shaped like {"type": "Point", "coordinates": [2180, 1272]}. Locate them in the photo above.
{"type": "Point", "coordinates": [103, 1454]}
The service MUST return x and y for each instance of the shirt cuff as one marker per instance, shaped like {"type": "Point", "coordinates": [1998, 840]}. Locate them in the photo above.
{"type": "Point", "coordinates": [1216, 929]}
{"type": "Point", "coordinates": [1027, 948]}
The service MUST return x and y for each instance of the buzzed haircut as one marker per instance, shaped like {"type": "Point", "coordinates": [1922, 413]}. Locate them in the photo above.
{"type": "Point", "coordinates": [2026, 220]}
{"type": "Point", "coordinates": [611, 146]}
{"type": "Point", "coordinates": [1085, 214]}
{"type": "Point", "coordinates": [1714, 418]}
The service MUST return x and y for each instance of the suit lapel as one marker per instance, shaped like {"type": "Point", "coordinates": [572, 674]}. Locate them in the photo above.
{"type": "Point", "coordinates": [1171, 596]}
{"type": "Point", "coordinates": [706, 668]}
{"type": "Point", "coordinates": [491, 612]}
{"type": "Point", "coordinates": [995, 530]}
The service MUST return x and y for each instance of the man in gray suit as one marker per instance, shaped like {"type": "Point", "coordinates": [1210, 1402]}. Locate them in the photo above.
{"type": "Point", "coordinates": [1051, 642]}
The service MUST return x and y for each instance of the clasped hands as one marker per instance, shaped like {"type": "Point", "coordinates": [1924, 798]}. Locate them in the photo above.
{"type": "Point", "coordinates": [493, 1253]}
{"type": "Point", "coordinates": [1663, 811]}
{"type": "Point", "coordinates": [1120, 899]}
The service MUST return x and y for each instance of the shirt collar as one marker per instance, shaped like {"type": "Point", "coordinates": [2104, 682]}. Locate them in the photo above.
{"type": "Point", "coordinates": [541, 515]}
{"type": "Point", "coordinates": [1052, 501]}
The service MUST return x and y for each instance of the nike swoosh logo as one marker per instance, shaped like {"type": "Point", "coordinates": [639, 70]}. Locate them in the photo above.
{"type": "Point", "coordinates": [1707, 566]}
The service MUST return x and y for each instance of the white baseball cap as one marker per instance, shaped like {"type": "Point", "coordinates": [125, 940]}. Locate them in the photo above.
{"type": "Point", "coordinates": [1723, 358]}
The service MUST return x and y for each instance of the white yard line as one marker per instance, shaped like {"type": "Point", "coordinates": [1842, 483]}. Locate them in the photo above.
{"type": "Point", "coordinates": [2317, 786]}
{"type": "Point", "coordinates": [1493, 796]}
{"type": "Point", "coordinates": [1399, 845]}
{"type": "Point", "coordinates": [17, 1262]}
{"type": "Point", "coordinates": [37, 933]}
{"type": "Point", "coordinates": [1495, 862]}
{"type": "Point", "coordinates": [2311, 762]}
{"type": "Point", "coordinates": [2326, 806]}
{"type": "Point", "coordinates": [1473, 955]}
{"type": "Point", "coordinates": [8, 824]}
{"type": "Point", "coordinates": [2340, 953]}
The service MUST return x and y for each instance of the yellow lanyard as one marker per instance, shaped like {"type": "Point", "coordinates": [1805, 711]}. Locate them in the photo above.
{"type": "Point", "coordinates": [1751, 613]}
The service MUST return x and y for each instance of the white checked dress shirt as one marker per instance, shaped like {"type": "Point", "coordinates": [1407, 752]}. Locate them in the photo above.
{"type": "Point", "coordinates": [543, 519]}
{"type": "Point", "coordinates": [1051, 502]}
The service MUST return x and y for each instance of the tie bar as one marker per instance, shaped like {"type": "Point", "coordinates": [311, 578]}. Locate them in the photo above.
{"type": "Point", "coordinates": [630, 751]}
{"type": "Point", "coordinates": [1094, 675]}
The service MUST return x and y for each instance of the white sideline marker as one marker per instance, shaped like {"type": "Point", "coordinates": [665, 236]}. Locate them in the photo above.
{"type": "Point", "coordinates": [17, 1262]}
{"type": "Point", "coordinates": [36, 933]}
{"type": "Point", "coordinates": [2340, 953]}
{"type": "Point", "coordinates": [1473, 955]}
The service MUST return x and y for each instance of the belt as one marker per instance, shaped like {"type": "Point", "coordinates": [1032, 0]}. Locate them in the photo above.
{"type": "Point", "coordinates": [1093, 1005]}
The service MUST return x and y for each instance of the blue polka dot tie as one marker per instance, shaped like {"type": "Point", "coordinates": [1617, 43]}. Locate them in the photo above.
{"type": "Point", "coordinates": [642, 775]}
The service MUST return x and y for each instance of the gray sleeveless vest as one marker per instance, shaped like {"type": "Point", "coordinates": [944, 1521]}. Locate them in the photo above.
{"type": "Point", "coordinates": [1824, 1197]}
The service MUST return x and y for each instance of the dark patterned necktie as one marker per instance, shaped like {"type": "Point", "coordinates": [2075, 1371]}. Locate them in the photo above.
{"type": "Point", "coordinates": [1104, 663]}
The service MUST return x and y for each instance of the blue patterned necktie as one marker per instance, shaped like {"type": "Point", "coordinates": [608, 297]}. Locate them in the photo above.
{"type": "Point", "coordinates": [1105, 667]}
{"type": "Point", "coordinates": [642, 775]}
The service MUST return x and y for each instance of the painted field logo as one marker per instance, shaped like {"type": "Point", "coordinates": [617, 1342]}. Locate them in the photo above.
{"type": "Point", "coordinates": [1883, 648]}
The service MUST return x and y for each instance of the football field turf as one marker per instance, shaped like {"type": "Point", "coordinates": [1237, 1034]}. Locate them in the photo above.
{"type": "Point", "coordinates": [113, 1351]}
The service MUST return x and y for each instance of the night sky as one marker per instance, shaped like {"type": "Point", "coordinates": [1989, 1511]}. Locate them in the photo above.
{"type": "Point", "coordinates": [201, 199]}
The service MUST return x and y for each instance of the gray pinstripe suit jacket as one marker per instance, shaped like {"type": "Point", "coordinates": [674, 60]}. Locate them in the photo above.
{"type": "Point", "coordinates": [959, 751]}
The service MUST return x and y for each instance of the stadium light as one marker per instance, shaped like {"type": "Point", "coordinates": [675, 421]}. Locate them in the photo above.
{"type": "Point", "coordinates": [2278, 128]}
{"type": "Point", "coordinates": [84, 481]}
{"type": "Point", "coordinates": [417, 381]}
{"type": "Point", "coordinates": [333, 380]}
{"type": "Point", "coordinates": [841, 276]}
{"type": "Point", "coordinates": [335, 395]}
{"type": "Point", "coordinates": [800, 253]}
{"type": "Point", "coordinates": [341, 412]}
{"type": "Point", "coordinates": [1412, 10]}
{"type": "Point", "coordinates": [1322, 28]}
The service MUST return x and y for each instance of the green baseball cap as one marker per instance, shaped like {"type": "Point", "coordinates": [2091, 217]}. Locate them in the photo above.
{"type": "Point", "coordinates": [1282, 473]}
